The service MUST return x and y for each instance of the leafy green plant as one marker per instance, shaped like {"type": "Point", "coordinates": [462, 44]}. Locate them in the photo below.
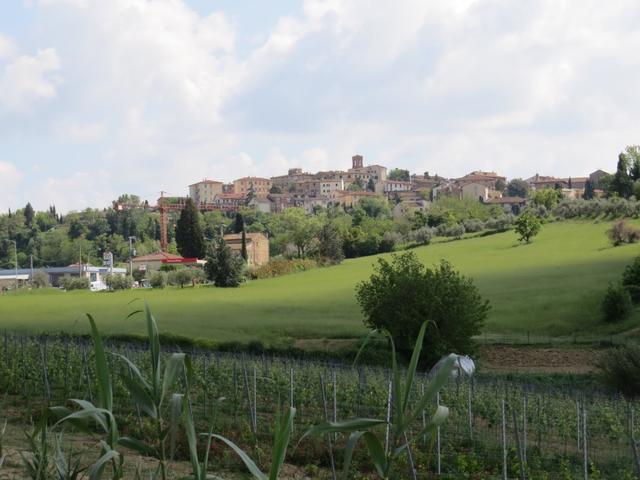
{"type": "Point", "coordinates": [385, 452]}
{"type": "Point", "coordinates": [67, 465]}
{"type": "Point", "coordinates": [150, 394]}
{"type": "Point", "coordinates": [36, 459]}
{"type": "Point", "coordinates": [281, 439]}
{"type": "Point", "coordinates": [103, 415]}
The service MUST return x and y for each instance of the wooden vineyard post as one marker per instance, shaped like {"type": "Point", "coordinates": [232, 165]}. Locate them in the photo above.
{"type": "Point", "coordinates": [326, 417]}
{"type": "Point", "coordinates": [518, 444]}
{"type": "Point", "coordinates": [504, 442]}
{"type": "Point", "coordinates": [438, 447]}
{"type": "Point", "coordinates": [632, 438]}
{"type": "Point", "coordinates": [470, 412]}
{"type": "Point", "coordinates": [585, 448]}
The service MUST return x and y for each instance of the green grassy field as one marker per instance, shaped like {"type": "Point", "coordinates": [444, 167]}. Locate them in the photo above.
{"type": "Point", "coordinates": [551, 287]}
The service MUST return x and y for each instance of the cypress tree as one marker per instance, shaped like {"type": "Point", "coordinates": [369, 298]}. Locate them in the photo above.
{"type": "Point", "coordinates": [588, 190]}
{"type": "Point", "coordinates": [238, 227]}
{"type": "Point", "coordinates": [243, 251]}
{"type": "Point", "coordinates": [189, 236]}
{"type": "Point", "coordinates": [28, 214]}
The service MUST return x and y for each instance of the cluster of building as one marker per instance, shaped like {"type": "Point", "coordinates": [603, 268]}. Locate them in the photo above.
{"type": "Point", "coordinates": [346, 187]}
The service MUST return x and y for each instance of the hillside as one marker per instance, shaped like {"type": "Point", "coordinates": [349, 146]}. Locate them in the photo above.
{"type": "Point", "coordinates": [550, 287]}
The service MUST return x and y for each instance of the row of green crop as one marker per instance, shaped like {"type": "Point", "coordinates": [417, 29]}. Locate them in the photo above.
{"type": "Point", "coordinates": [238, 396]}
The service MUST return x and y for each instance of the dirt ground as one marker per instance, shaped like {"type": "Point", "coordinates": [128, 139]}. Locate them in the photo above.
{"type": "Point", "coordinates": [14, 443]}
{"type": "Point", "coordinates": [537, 359]}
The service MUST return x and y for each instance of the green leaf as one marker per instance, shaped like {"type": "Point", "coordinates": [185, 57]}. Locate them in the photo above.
{"type": "Point", "coordinates": [433, 387]}
{"type": "Point", "coordinates": [345, 426]}
{"type": "Point", "coordinates": [102, 368]}
{"type": "Point", "coordinates": [140, 396]}
{"type": "Point", "coordinates": [376, 452]}
{"type": "Point", "coordinates": [154, 349]}
{"type": "Point", "coordinates": [191, 440]}
{"type": "Point", "coordinates": [175, 365]}
{"type": "Point", "coordinates": [438, 418]}
{"type": "Point", "coordinates": [348, 453]}
{"type": "Point", "coordinates": [253, 468]}
{"type": "Point", "coordinates": [282, 438]}
{"type": "Point", "coordinates": [135, 371]}
{"type": "Point", "coordinates": [413, 364]}
{"type": "Point", "coordinates": [137, 445]}
{"type": "Point", "coordinates": [95, 471]}
{"type": "Point", "coordinates": [174, 421]}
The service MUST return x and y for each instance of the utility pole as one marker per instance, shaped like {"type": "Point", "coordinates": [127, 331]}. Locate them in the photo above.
{"type": "Point", "coordinates": [131, 252]}
{"type": "Point", "coordinates": [31, 269]}
{"type": "Point", "coordinates": [15, 253]}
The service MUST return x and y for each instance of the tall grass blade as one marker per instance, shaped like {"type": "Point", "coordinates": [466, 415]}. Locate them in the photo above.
{"type": "Point", "coordinates": [105, 392]}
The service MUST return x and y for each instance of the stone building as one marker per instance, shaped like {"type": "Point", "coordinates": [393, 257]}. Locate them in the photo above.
{"type": "Point", "coordinates": [257, 247]}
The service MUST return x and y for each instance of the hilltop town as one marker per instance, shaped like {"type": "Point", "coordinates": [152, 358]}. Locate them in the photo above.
{"type": "Point", "coordinates": [345, 188]}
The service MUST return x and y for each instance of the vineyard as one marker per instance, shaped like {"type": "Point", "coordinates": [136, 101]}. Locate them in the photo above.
{"type": "Point", "coordinates": [494, 430]}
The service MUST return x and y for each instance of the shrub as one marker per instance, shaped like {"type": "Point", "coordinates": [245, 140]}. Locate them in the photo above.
{"type": "Point", "coordinates": [118, 282]}
{"type": "Point", "coordinates": [455, 230]}
{"type": "Point", "coordinates": [278, 267]}
{"type": "Point", "coordinates": [501, 223]}
{"type": "Point", "coordinates": [401, 294]}
{"type": "Point", "coordinates": [75, 283]}
{"type": "Point", "coordinates": [40, 280]}
{"type": "Point", "coordinates": [616, 304]}
{"type": "Point", "coordinates": [621, 232]}
{"type": "Point", "coordinates": [631, 279]}
{"type": "Point", "coordinates": [422, 236]}
{"type": "Point", "coordinates": [473, 225]}
{"type": "Point", "coordinates": [389, 241]}
{"type": "Point", "coordinates": [180, 277]}
{"type": "Point", "coordinates": [620, 370]}
{"type": "Point", "coordinates": [158, 280]}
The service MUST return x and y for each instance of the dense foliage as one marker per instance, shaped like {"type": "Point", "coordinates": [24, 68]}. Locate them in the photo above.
{"type": "Point", "coordinates": [616, 305]}
{"type": "Point", "coordinates": [223, 267]}
{"type": "Point", "coordinates": [401, 294]}
{"type": "Point", "coordinates": [189, 235]}
{"type": "Point", "coordinates": [620, 370]}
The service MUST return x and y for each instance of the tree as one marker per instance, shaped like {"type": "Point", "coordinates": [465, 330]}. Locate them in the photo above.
{"type": "Point", "coordinates": [275, 189]}
{"type": "Point", "coordinates": [517, 188]}
{"type": "Point", "coordinates": [527, 226]}
{"type": "Point", "coordinates": [401, 175]}
{"type": "Point", "coordinates": [330, 244]}
{"type": "Point", "coordinates": [616, 304]}
{"type": "Point", "coordinates": [548, 197]}
{"type": "Point", "coordinates": [621, 184]}
{"type": "Point", "coordinates": [631, 279]}
{"type": "Point", "coordinates": [402, 294]}
{"type": "Point", "coordinates": [189, 236]}
{"type": "Point", "coordinates": [500, 185]}
{"type": "Point", "coordinates": [224, 267]}
{"type": "Point", "coordinates": [243, 248]}
{"type": "Point", "coordinates": [180, 277]}
{"type": "Point", "coordinates": [300, 229]}
{"type": "Point", "coordinates": [371, 186]}
{"type": "Point", "coordinates": [633, 156]}
{"type": "Point", "coordinates": [28, 215]}
{"type": "Point", "coordinates": [238, 226]}
{"type": "Point", "coordinates": [589, 191]}
{"type": "Point", "coordinates": [356, 186]}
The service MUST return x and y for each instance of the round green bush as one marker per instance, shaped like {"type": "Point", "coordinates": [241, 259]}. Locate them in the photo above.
{"type": "Point", "coordinates": [616, 304]}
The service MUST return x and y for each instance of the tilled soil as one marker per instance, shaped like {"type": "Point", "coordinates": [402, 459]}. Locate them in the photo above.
{"type": "Point", "coordinates": [537, 359]}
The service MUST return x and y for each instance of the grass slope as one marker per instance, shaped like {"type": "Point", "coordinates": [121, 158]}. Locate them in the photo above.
{"type": "Point", "coordinates": [552, 287]}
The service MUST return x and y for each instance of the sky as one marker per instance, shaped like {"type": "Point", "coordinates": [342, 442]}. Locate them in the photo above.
{"type": "Point", "coordinates": [100, 98]}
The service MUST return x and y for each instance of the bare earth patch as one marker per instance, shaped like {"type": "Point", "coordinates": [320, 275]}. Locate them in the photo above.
{"type": "Point", "coordinates": [530, 359]}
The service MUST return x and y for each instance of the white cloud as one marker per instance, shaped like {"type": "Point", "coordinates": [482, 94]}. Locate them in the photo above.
{"type": "Point", "coordinates": [27, 80]}
{"type": "Point", "coordinates": [10, 178]}
{"type": "Point", "coordinates": [167, 96]}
